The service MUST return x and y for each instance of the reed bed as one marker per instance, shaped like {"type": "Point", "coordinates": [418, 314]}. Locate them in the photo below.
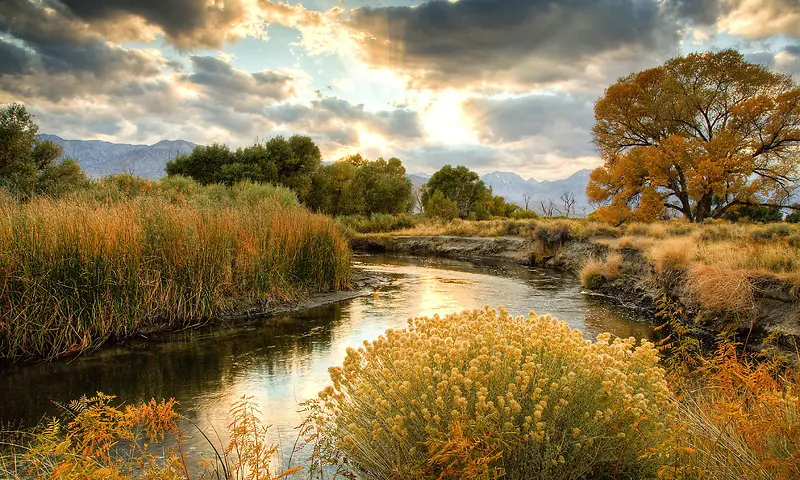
{"type": "Point", "coordinates": [76, 273]}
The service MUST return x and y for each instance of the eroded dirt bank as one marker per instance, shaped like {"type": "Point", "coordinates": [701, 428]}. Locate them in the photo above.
{"type": "Point", "coordinates": [775, 306]}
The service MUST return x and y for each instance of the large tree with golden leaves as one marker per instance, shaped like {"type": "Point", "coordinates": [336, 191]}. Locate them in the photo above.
{"type": "Point", "coordinates": [700, 135]}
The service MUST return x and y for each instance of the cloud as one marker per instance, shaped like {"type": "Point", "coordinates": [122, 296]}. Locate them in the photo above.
{"type": "Point", "coordinates": [759, 19]}
{"type": "Point", "coordinates": [341, 120]}
{"type": "Point", "coordinates": [185, 23]}
{"type": "Point", "coordinates": [14, 60]}
{"type": "Point", "coordinates": [696, 12]}
{"type": "Point", "coordinates": [237, 89]}
{"type": "Point", "coordinates": [489, 42]}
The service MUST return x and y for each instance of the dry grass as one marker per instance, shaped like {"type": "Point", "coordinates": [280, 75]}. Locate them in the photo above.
{"type": "Point", "coordinates": [76, 273]}
{"type": "Point", "coordinates": [674, 254]}
{"type": "Point", "coordinates": [595, 271]}
{"type": "Point", "coordinates": [720, 289]}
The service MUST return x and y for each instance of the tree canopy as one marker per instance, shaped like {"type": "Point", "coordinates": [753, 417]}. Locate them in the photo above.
{"type": "Point", "coordinates": [699, 135]}
{"type": "Point", "coordinates": [27, 164]}
{"type": "Point", "coordinates": [289, 162]}
{"type": "Point", "coordinates": [356, 186]}
{"type": "Point", "coordinates": [461, 185]}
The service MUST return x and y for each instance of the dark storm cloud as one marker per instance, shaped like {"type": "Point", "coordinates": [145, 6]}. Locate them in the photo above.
{"type": "Point", "coordinates": [242, 90]}
{"type": "Point", "coordinates": [78, 60]}
{"type": "Point", "coordinates": [186, 23]}
{"type": "Point", "coordinates": [530, 41]}
{"type": "Point", "coordinates": [698, 12]}
{"type": "Point", "coordinates": [14, 60]}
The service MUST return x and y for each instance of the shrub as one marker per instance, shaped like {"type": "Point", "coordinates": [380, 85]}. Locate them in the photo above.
{"type": "Point", "coordinates": [553, 234]}
{"type": "Point", "coordinates": [100, 440]}
{"type": "Point", "coordinates": [520, 214]}
{"type": "Point", "coordinates": [739, 418]}
{"type": "Point", "coordinates": [720, 289]}
{"type": "Point", "coordinates": [439, 206]}
{"type": "Point", "coordinates": [592, 274]}
{"type": "Point", "coordinates": [481, 393]}
{"type": "Point", "coordinates": [596, 272]}
{"type": "Point", "coordinates": [672, 255]}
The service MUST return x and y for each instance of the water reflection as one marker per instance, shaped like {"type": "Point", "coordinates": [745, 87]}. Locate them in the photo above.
{"type": "Point", "coordinates": [284, 361]}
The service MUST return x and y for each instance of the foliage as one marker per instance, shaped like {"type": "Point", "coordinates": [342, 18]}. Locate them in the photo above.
{"type": "Point", "coordinates": [754, 213]}
{"type": "Point", "coordinates": [439, 206]}
{"type": "Point", "coordinates": [738, 418]}
{"type": "Point", "coordinates": [76, 272]}
{"type": "Point", "coordinates": [699, 135]}
{"type": "Point", "coordinates": [356, 186]}
{"type": "Point", "coordinates": [498, 207]}
{"type": "Point", "coordinates": [98, 440]}
{"type": "Point", "coordinates": [461, 185]}
{"type": "Point", "coordinates": [28, 165]}
{"type": "Point", "coordinates": [479, 393]}
{"type": "Point", "coordinates": [377, 222]}
{"type": "Point", "coordinates": [181, 190]}
{"type": "Point", "coordinates": [289, 162]}
{"type": "Point", "coordinates": [793, 217]}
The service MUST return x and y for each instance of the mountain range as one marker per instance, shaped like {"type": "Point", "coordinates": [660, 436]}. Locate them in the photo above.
{"type": "Point", "coordinates": [515, 189]}
{"type": "Point", "coordinates": [99, 158]}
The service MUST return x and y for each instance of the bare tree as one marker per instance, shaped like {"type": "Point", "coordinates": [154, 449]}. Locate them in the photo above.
{"type": "Point", "coordinates": [548, 207]}
{"type": "Point", "coordinates": [526, 197]}
{"type": "Point", "coordinates": [568, 201]}
{"type": "Point", "coordinates": [417, 206]}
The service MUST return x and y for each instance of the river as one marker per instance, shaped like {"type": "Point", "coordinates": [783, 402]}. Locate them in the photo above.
{"type": "Point", "coordinates": [283, 361]}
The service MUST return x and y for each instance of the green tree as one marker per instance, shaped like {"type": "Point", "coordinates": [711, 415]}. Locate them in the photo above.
{"type": "Point", "coordinates": [699, 135]}
{"type": "Point", "coordinates": [204, 164]}
{"type": "Point", "coordinates": [27, 164]}
{"type": "Point", "coordinates": [291, 163]}
{"type": "Point", "coordinates": [498, 207]}
{"type": "Point", "coordinates": [332, 191]}
{"type": "Point", "coordinates": [459, 184]}
{"type": "Point", "coordinates": [383, 187]}
{"type": "Point", "coordinates": [754, 213]}
{"type": "Point", "coordinates": [58, 179]}
{"type": "Point", "coordinates": [439, 206]}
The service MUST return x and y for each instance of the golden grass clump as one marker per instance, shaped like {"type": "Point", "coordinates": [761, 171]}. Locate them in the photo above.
{"type": "Point", "coordinates": [595, 271]}
{"type": "Point", "coordinates": [673, 254]}
{"type": "Point", "coordinates": [480, 393]}
{"type": "Point", "coordinates": [720, 289]}
{"type": "Point", "coordinates": [75, 273]}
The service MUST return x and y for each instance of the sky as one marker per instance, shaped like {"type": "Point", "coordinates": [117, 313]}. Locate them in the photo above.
{"type": "Point", "coordinates": [504, 85]}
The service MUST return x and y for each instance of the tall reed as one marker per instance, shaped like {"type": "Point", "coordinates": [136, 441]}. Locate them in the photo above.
{"type": "Point", "coordinates": [75, 273]}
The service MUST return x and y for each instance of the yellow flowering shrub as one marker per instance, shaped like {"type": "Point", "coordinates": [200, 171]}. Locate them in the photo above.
{"type": "Point", "coordinates": [481, 394]}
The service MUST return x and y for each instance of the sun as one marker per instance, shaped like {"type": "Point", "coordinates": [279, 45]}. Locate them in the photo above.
{"type": "Point", "coordinates": [445, 121]}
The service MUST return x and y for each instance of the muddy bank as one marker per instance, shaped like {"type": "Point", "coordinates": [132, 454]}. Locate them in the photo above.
{"type": "Point", "coordinates": [775, 305]}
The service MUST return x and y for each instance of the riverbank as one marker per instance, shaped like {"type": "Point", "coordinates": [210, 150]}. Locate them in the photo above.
{"type": "Point", "coordinates": [77, 273]}
{"type": "Point", "coordinates": [753, 303]}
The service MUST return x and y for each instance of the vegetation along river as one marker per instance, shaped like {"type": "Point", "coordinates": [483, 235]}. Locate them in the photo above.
{"type": "Point", "coordinates": [282, 362]}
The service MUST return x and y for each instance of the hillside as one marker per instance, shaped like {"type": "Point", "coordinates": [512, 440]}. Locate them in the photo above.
{"type": "Point", "coordinates": [99, 158]}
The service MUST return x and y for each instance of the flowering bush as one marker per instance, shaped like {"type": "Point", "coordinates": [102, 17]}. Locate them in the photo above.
{"type": "Point", "coordinates": [482, 394]}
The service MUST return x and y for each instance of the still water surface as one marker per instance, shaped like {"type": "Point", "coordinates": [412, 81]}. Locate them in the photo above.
{"type": "Point", "coordinates": [282, 362]}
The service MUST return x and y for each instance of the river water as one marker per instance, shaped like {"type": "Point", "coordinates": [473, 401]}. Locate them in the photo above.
{"type": "Point", "coordinates": [282, 362]}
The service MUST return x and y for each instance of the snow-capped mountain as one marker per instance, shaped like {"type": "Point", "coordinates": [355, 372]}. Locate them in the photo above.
{"type": "Point", "coordinates": [99, 158]}
{"type": "Point", "coordinates": [514, 189]}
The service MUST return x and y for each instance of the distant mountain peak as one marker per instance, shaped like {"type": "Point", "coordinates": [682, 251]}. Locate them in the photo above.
{"type": "Point", "coordinates": [99, 158]}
